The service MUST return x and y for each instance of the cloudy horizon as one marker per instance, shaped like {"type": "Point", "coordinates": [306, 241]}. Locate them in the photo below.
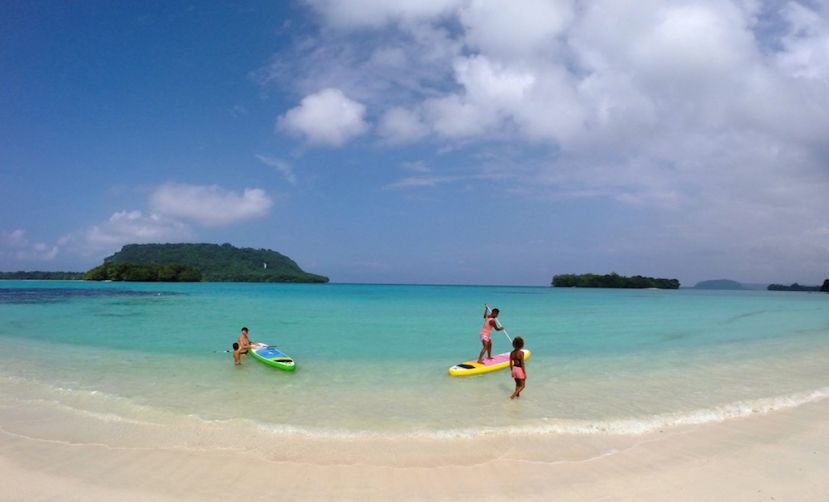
{"type": "Point", "coordinates": [437, 141]}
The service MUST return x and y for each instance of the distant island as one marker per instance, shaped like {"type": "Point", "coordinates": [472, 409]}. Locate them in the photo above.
{"type": "Point", "coordinates": [794, 287]}
{"type": "Point", "coordinates": [116, 271]}
{"type": "Point", "coordinates": [719, 284]}
{"type": "Point", "coordinates": [199, 262]}
{"type": "Point", "coordinates": [612, 280]}
{"type": "Point", "coordinates": [825, 287]}
{"type": "Point", "coordinates": [38, 275]}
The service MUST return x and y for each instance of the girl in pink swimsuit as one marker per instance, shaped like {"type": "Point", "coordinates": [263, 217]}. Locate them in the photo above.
{"type": "Point", "coordinates": [517, 366]}
{"type": "Point", "coordinates": [486, 339]}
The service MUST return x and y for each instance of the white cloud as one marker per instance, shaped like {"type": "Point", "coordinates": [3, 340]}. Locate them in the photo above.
{"type": "Point", "coordinates": [209, 205]}
{"type": "Point", "coordinates": [15, 238]}
{"type": "Point", "coordinates": [712, 112]}
{"type": "Point", "coordinates": [367, 13]}
{"type": "Point", "coordinates": [514, 29]}
{"type": "Point", "coordinates": [133, 227]}
{"type": "Point", "coordinates": [173, 209]}
{"type": "Point", "coordinates": [806, 42]}
{"type": "Point", "coordinates": [398, 126]}
{"type": "Point", "coordinates": [417, 166]}
{"type": "Point", "coordinates": [17, 246]}
{"type": "Point", "coordinates": [456, 117]}
{"type": "Point", "coordinates": [280, 166]}
{"type": "Point", "coordinates": [327, 117]}
{"type": "Point", "coordinates": [421, 181]}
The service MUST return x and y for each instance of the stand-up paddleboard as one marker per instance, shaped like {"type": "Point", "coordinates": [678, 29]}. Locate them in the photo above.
{"type": "Point", "coordinates": [270, 355]}
{"type": "Point", "coordinates": [473, 367]}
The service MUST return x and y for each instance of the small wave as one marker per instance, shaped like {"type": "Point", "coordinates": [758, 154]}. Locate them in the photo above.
{"type": "Point", "coordinates": [621, 426]}
{"type": "Point", "coordinates": [102, 417]}
{"type": "Point", "coordinates": [644, 425]}
{"type": "Point", "coordinates": [546, 427]}
{"type": "Point", "coordinates": [67, 399]}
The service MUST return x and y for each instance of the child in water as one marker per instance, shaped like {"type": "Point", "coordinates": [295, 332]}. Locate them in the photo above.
{"type": "Point", "coordinates": [517, 366]}
{"type": "Point", "coordinates": [237, 355]}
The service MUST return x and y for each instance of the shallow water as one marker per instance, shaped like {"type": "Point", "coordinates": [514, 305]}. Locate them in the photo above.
{"type": "Point", "coordinates": [372, 359]}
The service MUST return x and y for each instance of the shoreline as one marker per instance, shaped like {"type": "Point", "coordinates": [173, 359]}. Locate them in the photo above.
{"type": "Point", "coordinates": [784, 455]}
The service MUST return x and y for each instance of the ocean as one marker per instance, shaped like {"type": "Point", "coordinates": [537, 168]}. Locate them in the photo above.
{"type": "Point", "coordinates": [132, 364]}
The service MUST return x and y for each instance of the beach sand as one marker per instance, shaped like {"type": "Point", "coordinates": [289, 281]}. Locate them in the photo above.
{"type": "Point", "coordinates": [778, 456]}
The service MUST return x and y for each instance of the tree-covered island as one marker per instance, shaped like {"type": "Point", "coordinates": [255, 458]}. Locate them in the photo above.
{"type": "Point", "coordinates": [38, 275]}
{"type": "Point", "coordinates": [793, 287]}
{"type": "Point", "coordinates": [612, 280]}
{"type": "Point", "coordinates": [151, 272]}
{"type": "Point", "coordinates": [199, 262]}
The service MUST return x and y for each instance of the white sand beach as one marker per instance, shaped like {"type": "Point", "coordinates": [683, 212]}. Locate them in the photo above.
{"type": "Point", "coordinates": [778, 456]}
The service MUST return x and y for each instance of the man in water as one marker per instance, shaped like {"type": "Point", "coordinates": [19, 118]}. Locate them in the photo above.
{"type": "Point", "coordinates": [244, 342]}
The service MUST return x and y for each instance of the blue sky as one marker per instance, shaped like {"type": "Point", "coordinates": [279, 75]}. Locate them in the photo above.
{"type": "Point", "coordinates": [430, 141]}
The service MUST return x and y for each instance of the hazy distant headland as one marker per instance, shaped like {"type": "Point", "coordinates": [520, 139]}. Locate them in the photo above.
{"type": "Point", "coordinates": [612, 280]}
{"type": "Point", "coordinates": [719, 284]}
{"type": "Point", "coordinates": [199, 262]}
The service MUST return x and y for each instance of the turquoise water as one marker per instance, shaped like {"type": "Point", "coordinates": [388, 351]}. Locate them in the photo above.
{"type": "Point", "coordinates": [373, 359]}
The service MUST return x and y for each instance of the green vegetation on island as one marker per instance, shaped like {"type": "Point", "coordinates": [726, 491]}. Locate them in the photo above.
{"type": "Point", "coordinates": [719, 284]}
{"type": "Point", "coordinates": [793, 287]}
{"type": "Point", "coordinates": [38, 275]}
{"type": "Point", "coordinates": [613, 280]}
{"type": "Point", "coordinates": [825, 287]}
{"type": "Point", "coordinates": [214, 262]}
{"type": "Point", "coordinates": [113, 271]}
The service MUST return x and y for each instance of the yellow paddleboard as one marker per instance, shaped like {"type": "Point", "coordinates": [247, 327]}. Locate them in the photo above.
{"type": "Point", "coordinates": [473, 367]}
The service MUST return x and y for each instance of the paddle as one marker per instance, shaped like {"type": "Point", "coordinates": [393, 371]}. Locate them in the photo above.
{"type": "Point", "coordinates": [505, 332]}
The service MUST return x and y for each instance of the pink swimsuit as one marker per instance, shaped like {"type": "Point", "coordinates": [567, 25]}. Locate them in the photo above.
{"type": "Point", "coordinates": [486, 330]}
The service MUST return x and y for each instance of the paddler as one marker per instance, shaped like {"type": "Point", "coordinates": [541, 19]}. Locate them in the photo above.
{"type": "Point", "coordinates": [486, 340]}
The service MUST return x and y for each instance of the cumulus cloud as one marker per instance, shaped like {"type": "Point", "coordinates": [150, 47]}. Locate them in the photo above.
{"type": "Point", "coordinates": [327, 117]}
{"type": "Point", "coordinates": [209, 205]}
{"type": "Point", "coordinates": [712, 112]}
{"type": "Point", "coordinates": [133, 227]}
{"type": "Point", "coordinates": [806, 42]}
{"type": "Point", "coordinates": [514, 29]}
{"type": "Point", "coordinates": [399, 126]}
{"type": "Point", "coordinates": [548, 71]}
{"type": "Point", "coordinates": [174, 208]}
{"type": "Point", "coordinates": [15, 245]}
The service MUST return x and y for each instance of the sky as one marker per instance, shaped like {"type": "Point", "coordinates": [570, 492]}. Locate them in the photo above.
{"type": "Point", "coordinates": [423, 141]}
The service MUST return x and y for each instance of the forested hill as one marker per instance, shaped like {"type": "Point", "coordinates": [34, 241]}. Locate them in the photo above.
{"type": "Point", "coordinates": [612, 281]}
{"type": "Point", "coordinates": [38, 275]}
{"type": "Point", "coordinates": [719, 284]}
{"type": "Point", "coordinates": [218, 262]}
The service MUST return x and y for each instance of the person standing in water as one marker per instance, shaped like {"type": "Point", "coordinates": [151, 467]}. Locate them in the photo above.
{"type": "Point", "coordinates": [518, 367]}
{"type": "Point", "coordinates": [244, 342]}
{"type": "Point", "coordinates": [486, 340]}
{"type": "Point", "coordinates": [237, 356]}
